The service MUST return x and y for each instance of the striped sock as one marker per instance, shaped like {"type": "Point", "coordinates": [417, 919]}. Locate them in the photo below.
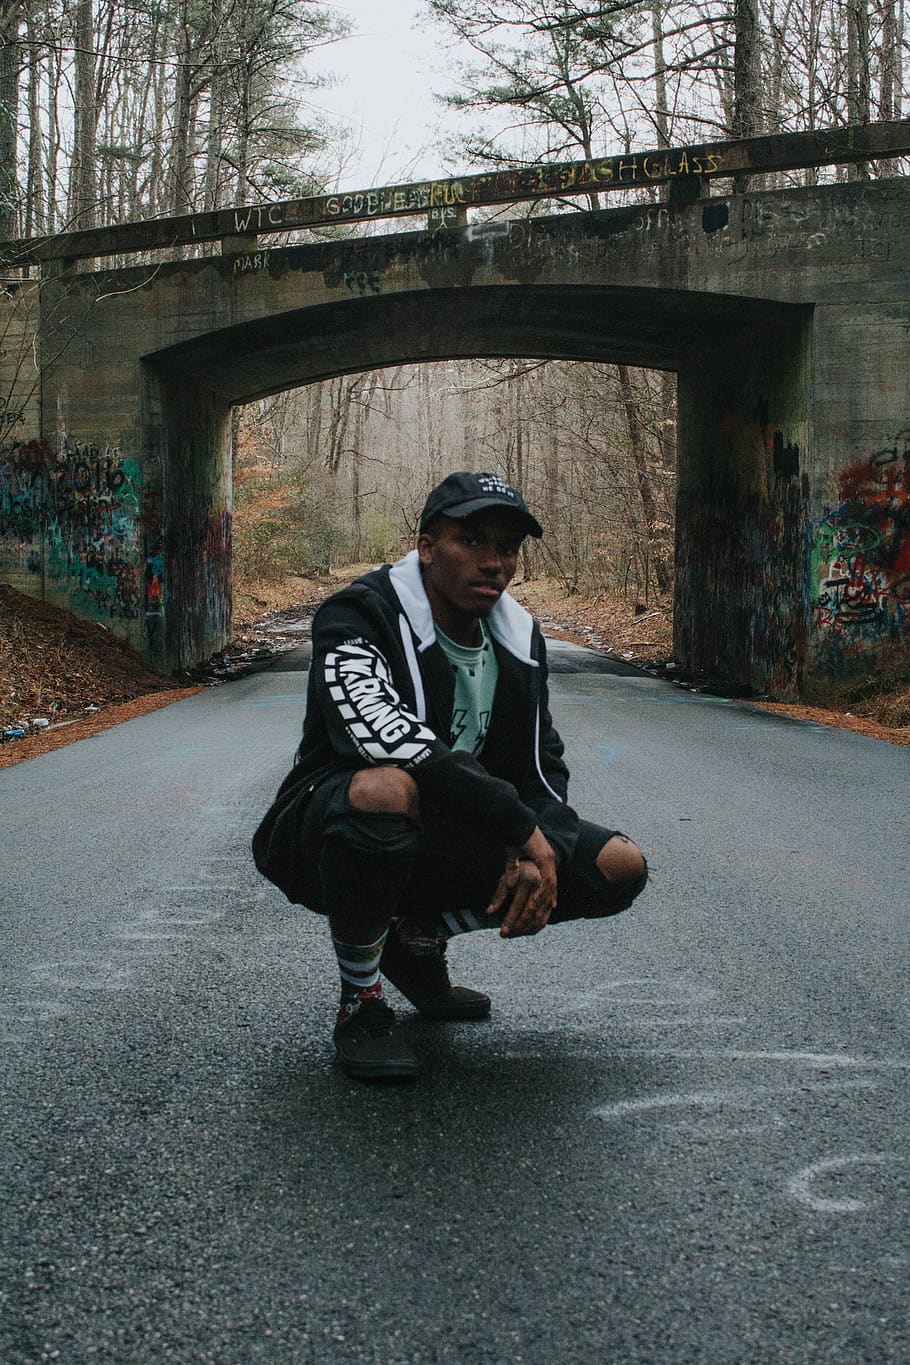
{"type": "Point", "coordinates": [358, 964]}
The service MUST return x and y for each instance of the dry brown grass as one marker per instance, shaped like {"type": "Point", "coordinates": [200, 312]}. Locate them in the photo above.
{"type": "Point", "coordinates": [639, 632]}
{"type": "Point", "coordinates": [54, 665]}
{"type": "Point", "coordinates": [252, 601]}
{"type": "Point", "coordinates": [892, 709]}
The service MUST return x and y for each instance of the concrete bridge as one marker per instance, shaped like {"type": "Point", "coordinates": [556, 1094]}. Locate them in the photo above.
{"type": "Point", "coordinates": [785, 314]}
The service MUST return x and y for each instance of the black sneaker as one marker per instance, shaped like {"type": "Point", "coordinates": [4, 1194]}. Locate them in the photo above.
{"type": "Point", "coordinates": [368, 1046]}
{"type": "Point", "coordinates": [422, 976]}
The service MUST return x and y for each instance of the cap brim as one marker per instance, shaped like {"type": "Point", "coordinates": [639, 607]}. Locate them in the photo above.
{"type": "Point", "coordinates": [461, 510]}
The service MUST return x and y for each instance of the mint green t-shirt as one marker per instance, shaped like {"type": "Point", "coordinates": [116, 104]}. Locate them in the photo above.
{"type": "Point", "coordinates": [476, 671]}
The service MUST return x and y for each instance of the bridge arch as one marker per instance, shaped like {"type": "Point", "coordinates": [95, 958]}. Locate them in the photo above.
{"type": "Point", "coordinates": [738, 361]}
{"type": "Point", "coordinates": [785, 315]}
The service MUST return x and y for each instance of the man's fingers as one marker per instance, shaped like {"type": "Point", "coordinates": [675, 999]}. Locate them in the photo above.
{"type": "Point", "coordinates": [499, 895]}
{"type": "Point", "coordinates": [519, 904]}
{"type": "Point", "coordinates": [514, 917]}
{"type": "Point", "coordinates": [529, 922]}
{"type": "Point", "coordinates": [530, 879]}
{"type": "Point", "coordinates": [532, 903]}
{"type": "Point", "coordinates": [506, 883]}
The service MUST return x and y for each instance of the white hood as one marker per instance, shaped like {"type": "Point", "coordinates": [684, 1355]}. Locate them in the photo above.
{"type": "Point", "coordinates": [510, 625]}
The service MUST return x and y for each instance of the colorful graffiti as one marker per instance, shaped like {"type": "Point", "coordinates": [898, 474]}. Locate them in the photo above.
{"type": "Point", "coordinates": [74, 516]}
{"type": "Point", "coordinates": [861, 558]}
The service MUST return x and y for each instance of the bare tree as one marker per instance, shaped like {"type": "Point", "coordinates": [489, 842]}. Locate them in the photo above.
{"type": "Point", "coordinates": [10, 25]}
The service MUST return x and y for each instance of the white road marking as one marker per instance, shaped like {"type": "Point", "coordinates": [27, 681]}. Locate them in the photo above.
{"type": "Point", "coordinates": [690, 1021]}
{"type": "Point", "coordinates": [32, 1011]}
{"type": "Point", "coordinates": [800, 1185]}
{"type": "Point", "coordinates": [87, 975]}
{"type": "Point", "coordinates": [738, 1097]}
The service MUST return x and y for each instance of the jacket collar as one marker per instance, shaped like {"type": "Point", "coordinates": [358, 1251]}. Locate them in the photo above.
{"type": "Point", "coordinates": [510, 625]}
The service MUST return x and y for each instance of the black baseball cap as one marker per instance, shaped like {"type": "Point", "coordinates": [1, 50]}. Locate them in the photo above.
{"type": "Point", "coordinates": [463, 494]}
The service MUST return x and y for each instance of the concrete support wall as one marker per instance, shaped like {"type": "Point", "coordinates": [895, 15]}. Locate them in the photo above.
{"type": "Point", "coordinates": [71, 473]}
{"type": "Point", "coordinates": [119, 509]}
{"type": "Point", "coordinates": [189, 520]}
{"type": "Point", "coordinates": [859, 527]}
{"type": "Point", "coordinates": [741, 550]}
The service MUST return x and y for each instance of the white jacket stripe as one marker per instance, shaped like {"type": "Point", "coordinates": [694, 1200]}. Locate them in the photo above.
{"type": "Point", "coordinates": [537, 757]}
{"type": "Point", "coordinates": [413, 666]}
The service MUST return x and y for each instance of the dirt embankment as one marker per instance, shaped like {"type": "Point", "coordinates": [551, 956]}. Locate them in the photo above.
{"type": "Point", "coordinates": [72, 674]}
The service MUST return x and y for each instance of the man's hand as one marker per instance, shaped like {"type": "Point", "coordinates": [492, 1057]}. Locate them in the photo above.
{"type": "Point", "coordinates": [530, 879]}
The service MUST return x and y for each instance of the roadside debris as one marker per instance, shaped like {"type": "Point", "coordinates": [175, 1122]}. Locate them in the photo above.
{"type": "Point", "coordinates": [20, 729]}
{"type": "Point", "coordinates": [275, 634]}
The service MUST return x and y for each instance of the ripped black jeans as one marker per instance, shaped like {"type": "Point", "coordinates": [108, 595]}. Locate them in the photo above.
{"type": "Point", "coordinates": [439, 873]}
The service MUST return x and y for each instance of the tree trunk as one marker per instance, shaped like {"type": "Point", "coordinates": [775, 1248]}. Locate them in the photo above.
{"type": "Point", "coordinates": [159, 197]}
{"type": "Point", "coordinates": [35, 221]}
{"type": "Point", "coordinates": [53, 138]}
{"type": "Point", "coordinates": [551, 475]}
{"type": "Point", "coordinates": [668, 413]}
{"type": "Point", "coordinates": [357, 511]}
{"type": "Point", "coordinates": [314, 421]}
{"type": "Point", "coordinates": [889, 97]}
{"type": "Point", "coordinates": [642, 474]}
{"type": "Point", "coordinates": [151, 83]}
{"type": "Point", "coordinates": [9, 117]}
{"type": "Point", "coordinates": [243, 193]}
{"type": "Point", "coordinates": [236, 421]}
{"type": "Point", "coordinates": [83, 194]}
{"type": "Point", "coordinates": [180, 197]}
{"type": "Point", "coordinates": [858, 74]}
{"type": "Point", "coordinates": [661, 111]}
{"type": "Point", "coordinates": [340, 392]}
{"type": "Point", "coordinates": [432, 437]}
{"type": "Point", "coordinates": [812, 60]}
{"type": "Point", "coordinates": [746, 78]}
{"type": "Point", "coordinates": [519, 398]}
{"type": "Point", "coordinates": [366, 387]}
{"type": "Point", "coordinates": [214, 142]}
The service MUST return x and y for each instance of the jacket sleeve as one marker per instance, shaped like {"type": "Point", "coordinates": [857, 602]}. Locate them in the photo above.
{"type": "Point", "coordinates": [369, 724]}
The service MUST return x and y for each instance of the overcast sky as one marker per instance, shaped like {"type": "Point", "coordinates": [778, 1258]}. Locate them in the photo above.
{"type": "Point", "coordinates": [389, 69]}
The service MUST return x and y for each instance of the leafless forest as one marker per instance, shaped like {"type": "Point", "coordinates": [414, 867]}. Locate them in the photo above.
{"type": "Point", "coordinates": [113, 111]}
{"type": "Point", "coordinates": [338, 472]}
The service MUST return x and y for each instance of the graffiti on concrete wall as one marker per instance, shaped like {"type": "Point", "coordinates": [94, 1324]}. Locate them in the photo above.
{"type": "Point", "coordinates": [870, 224]}
{"type": "Point", "coordinates": [73, 516]}
{"type": "Point", "coordinates": [861, 557]}
{"type": "Point", "coordinates": [10, 417]}
{"type": "Point", "coordinates": [154, 588]}
{"type": "Point", "coordinates": [739, 610]}
{"type": "Point", "coordinates": [23, 490]}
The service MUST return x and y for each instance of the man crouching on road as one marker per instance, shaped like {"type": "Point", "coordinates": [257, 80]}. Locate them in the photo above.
{"type": "Point", "coordinates": [429, 794]}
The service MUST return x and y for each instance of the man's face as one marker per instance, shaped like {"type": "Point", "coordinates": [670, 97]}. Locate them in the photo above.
{"type": "Point", "coordinates": [467, 565]}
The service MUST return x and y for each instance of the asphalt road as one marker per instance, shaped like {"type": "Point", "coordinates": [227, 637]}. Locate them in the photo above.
{"type": "Point", "coordinates": [681, 1138]}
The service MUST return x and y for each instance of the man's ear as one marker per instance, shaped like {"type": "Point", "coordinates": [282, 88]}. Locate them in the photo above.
{"type": "Point", "coordinates": [425, 543]}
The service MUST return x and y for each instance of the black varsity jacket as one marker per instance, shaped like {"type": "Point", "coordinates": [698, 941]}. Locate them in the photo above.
{"type": "Point", "coordinates": [381, 691]}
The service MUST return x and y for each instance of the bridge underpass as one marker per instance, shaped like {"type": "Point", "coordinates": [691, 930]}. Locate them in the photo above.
{"type": "Point", "coordinates": [652, 329]}
{"type": "Point", "coordinates": [786, 316]}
